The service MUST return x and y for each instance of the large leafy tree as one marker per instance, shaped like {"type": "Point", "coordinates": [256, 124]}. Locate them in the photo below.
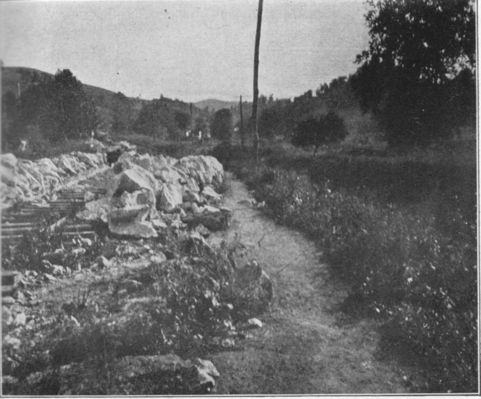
{"type": "Point", "coordinates": [417, 75]}
{"type": "Point", "coordinates": [58, 107]}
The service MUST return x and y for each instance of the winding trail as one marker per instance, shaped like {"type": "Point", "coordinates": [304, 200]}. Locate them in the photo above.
{"type": "Point", "coordinates": [302, 347]}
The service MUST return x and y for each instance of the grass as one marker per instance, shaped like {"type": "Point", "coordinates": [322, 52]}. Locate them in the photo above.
{"type": "Point", "coordinates": [401, 231]}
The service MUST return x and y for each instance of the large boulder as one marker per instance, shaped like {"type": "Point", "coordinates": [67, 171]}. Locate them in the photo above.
{"type": "Point", "coordinates": [204, 169]}
{"type": "Point", "coordinates": [130, 222]}
{"type": "Point", "coordinates": [161, 161]}
{"type": "Point", "coordinates": [170, 174]}
{"type": "Point", "coordinates": [213, 218]}
{"type": "Point", "coordinates": [170, 196]}
{"type": "Point", "coordinates": [135, 178]}
{"type": "Point", "coordinates": [8, 163]}
{"type": "Point", "coordinates": [90, 160]}
{"type": "Point", "coordinates": [69, 164]}
{"type": "Point", "coordinates": [144, 161]}
{"type": "Point", "coordinates": [97, 210]}
{"type": "Point", "coordinates": [8, 172]}
{"type": "Point", "coordinates": [210, 194]}
{"type": "Point", "coordinates": [133, 204]}
{"type": "Point", "coordinates": [128, 159]}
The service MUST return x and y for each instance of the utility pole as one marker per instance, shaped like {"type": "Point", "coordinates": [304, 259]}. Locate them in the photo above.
{"type": "Point", "coordinates": [241, 123]}
{"type": "Point", "coordinates": [256, 78]}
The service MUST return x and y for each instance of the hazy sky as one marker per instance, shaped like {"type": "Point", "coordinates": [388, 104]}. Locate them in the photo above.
{"type": "Point", "coordinates": [186, 49]}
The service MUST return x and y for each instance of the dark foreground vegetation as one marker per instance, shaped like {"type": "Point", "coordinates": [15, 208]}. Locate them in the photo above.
{"type": "Point", "coordinates": [401, 231]}
{"type": "Point", "coordinates": [88, 335]}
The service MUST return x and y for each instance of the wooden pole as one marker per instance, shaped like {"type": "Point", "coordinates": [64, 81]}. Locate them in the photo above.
{"type": "Point", "coordinates": [241, 123]}
{"type": "Point", "coordinates": [256, 78]}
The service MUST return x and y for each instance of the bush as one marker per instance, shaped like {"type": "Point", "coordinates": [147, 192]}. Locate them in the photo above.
{"type": "Point", "coordinates": [328, 129]}
{"type": "Point", "coordinates": [401, 266]}
{"type": "Point", "coordinates": [45, 244]}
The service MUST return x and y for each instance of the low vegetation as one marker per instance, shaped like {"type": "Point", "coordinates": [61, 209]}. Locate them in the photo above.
{"type": "Point", "coordinates": [185, 304]}
{"type": "Point", "coordinates": [402, 233]}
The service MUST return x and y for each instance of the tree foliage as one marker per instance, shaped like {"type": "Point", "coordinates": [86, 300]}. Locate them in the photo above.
{"type": "Point", "coordinates": [163, 118]}
{"type": "Point", "coordinates": [182, 119]}
{"type": "Point", "coordinates": [156, 119]}
{"type": "Point", "coordinates": [57, 108]}
{"type": "Point", "coordinates": [327, 129]}
{"type": "Point", "coordinates": [122, 113]}
{"type": "Point", "coordinates": [418, 74]}
{"type": "Point", "coordinates": [221, 127]}
{"type": "Point", "coordinates": [337, 94]}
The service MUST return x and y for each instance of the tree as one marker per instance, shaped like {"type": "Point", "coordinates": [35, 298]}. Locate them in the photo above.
{"type": "Point", "coordinates": [327, 129]}
{"type": "Point", "coordinates": [337, 94]}
{"type": "Point", "coordinates": [409, 76]}
{"type": "Point", "coordinates": [182, 119]}
{"type": "Point", "coordinates": [256, 78]}
{"type": "Point", "coordinates": [156, 120]}
{"type": "Point", "coordinates": [221, 126]}
{"type": "Point", "coordinates": [9, 115]}
{"type": "Point", "coordinates": [58, 108]}
{"type": "Point", "coordinates": [271, 121]}
{"type": "Point", "coordinates": [121, 112]}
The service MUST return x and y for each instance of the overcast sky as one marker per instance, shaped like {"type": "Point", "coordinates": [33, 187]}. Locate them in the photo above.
{"type": "Point", "coordinates": [186, 49]}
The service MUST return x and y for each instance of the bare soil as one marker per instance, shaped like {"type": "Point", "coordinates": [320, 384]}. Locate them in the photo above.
{"type": "Point", "coordinates": [305, 346]}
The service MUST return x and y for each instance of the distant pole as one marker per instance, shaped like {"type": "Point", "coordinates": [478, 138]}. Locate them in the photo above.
{"type": "Point", "coordinates": [191, 122]}
{"type": "Point", "coordinates": [241, 123]}
{"type": "Point", "coordinates": [1, 90]}
{"type": "Point", "coordinates": [256, 79]}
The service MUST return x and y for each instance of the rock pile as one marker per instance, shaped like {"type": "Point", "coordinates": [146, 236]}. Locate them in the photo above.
{"type": "Point", "coordinates": [150, 192]}
{"type": "Point", "coordinates": [24, 180]}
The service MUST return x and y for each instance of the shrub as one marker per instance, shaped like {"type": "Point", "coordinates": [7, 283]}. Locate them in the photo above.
{"type": "Point", "coordinates": [400, 264]}
{"type": "Point", "coordinates": [328, 129]}
{"type": "Point", "coordinates": [45, 244]}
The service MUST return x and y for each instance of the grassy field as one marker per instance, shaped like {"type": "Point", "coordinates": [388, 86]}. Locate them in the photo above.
{"type": "Point", "coordinates": [400, 229]}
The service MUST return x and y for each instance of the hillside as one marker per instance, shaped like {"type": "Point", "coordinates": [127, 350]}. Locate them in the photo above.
{"type": "Point", "coordinates": [107, 102]}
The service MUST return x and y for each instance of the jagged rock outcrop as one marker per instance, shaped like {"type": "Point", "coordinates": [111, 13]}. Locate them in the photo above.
{"type": "Point", "coordinates": [133, 205]}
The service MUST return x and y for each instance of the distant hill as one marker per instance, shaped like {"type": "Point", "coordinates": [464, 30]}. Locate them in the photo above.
{"type": "Point", "coordinates": [107, 103]}
{"type": "Point", "coordinates": [19, 78]}
{"type": "Point", "coordinates": [214, 105]}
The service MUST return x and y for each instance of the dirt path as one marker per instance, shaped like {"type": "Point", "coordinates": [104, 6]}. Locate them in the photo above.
{"type": "Point", "coordinates": [302, 348]}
